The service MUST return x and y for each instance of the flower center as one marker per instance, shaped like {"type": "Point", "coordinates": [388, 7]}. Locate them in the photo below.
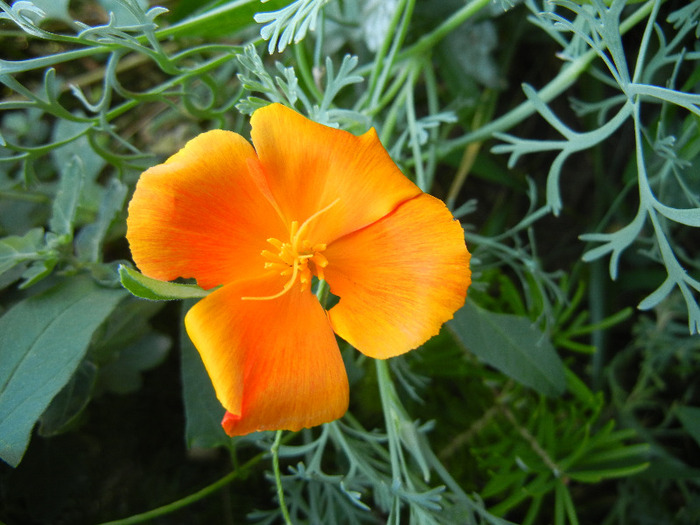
{"type": "Point", "coordinates": [297, 259]}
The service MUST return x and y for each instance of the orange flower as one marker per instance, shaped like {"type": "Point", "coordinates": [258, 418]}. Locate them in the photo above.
{"type": "Point", "coordinates": [308, 201]}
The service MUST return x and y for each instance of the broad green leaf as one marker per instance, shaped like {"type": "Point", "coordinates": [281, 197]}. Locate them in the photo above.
{"type": "Point", "coordinates": [203, 412]}
{"type": "Point", "coordinates": [226, 18]}
{"type": "Point", "coordinates": [663, 466]}
{"type": "Point", "coordinates": [690, 418]}
{"type": "Point", "coordinates": [89, 241]}
{"type": "Point", "coordinates": [123, 375]}
{"type": "Point", "coordinates": [512, 345]}
{"type": "Point", "coordinates": [66, 202]}
{"type": "Point", "coordinates": [126, 345]}
{"type": "Point", "coordinates": [69, 402]}
{"type": "Point", "coordinates": [15, 249]}
{"type": "Point", "coordinates": [92, 162]}
{"type": "Point", "coordinates": [44, 338]}
{"type": "Point", "coordinates": [37, 271]}
{"type": "Point", "coordinates": [155, 290]}
{"type": "Point", "coordinates": [123, 328]}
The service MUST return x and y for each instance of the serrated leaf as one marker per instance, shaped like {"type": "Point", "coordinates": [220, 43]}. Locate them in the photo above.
{"type": "Point", "coordinates": [44, 338]}
{"type": "Point", "coordinates": [155, 290]}
{"type": "Point", "coordinates": [511, 344]}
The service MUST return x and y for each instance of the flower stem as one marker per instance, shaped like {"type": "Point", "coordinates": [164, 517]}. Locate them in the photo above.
{"type": "Point", "coordinates": [429, 41]}
{"type": "Point", "coordinates": [388, 396]}
{"type": "Point", "coordinates": [274, 450]}
{"type": "Point", "coordinates": [192, 498]}
{"type": "Point", "coordinates": [322, 290]}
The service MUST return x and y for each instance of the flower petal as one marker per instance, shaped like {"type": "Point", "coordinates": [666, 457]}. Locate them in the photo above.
{"type": "Point", "coordinates": [275, 364]}
{"type": "Point", "coordinates": [309, 166]}
{"type": "Point", "coordinates": [203, 213]}
{"type": "Point", "coordinates": [399, 279]}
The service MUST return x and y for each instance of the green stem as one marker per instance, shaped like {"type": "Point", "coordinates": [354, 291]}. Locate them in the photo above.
{"type": "Point", "coordinates": [274, 450]}
{"type": "Point", "coordinates": [395, 35]}
{"type": "Point", "coordinates": [203, 68]}
{"type": "Point", "coordinates": [390, 93]}
{"type": "Point", "coordinates": [25, 196]}
{"type": "Point", "coordinates": [412, 130]}
{"type": "Point", "coordinates": [192, 498]}
{"type": "Point", "coordinates": [322, 291]}
{"type": "Point", "coordinates": [306, 72]}
{"type": "Point", "coordinates": [483, 114]}
{"type": "Point", "coordinates": [429, 41]}
{"type": "Point", "coordinates": [387, 391]}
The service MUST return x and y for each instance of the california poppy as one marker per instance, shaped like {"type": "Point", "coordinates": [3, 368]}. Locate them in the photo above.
{"type": "Point", "coordinates": [309, 201]}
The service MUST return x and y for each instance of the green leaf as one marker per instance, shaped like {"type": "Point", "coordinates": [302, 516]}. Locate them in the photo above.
{"type": "Point", "coordinates": [69, 402]}
{"type": "Point", "coordinates": [37, 271]}
{"type": "Point", "coordinates": [203, 412]}
{"type": "Point", "coordinates": [89, 242]}
{"type": "Point", "coordinates": [226, 18]}
{"type": "Point", "coordinates": [123, 375]}
{"type": "Point", "coordinates": [66, 202]}
{"type": "Point", "coordinates": [690, 419]}
{"type": "Point", "coordinates": [155, 290]}
{"type": "Point", "coordinates": [15, 249]}
{"type": "Point", "coordinates": [54, 9]}
{"type": "Point", "coordinates": [123, 328]}
{"type": "Point", "coordinates": [122, 15]}
{"type": "Point", "coordinates": [44, 338]}
{"type": "Point", "coordinates": [511, 344]}
{"type": "Point", "coordinates": [80, 146]}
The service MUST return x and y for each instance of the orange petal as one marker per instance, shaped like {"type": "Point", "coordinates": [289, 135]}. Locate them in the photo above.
{"type": "Point", "coordinates": [308, 166]}
{"type": "Point", "coordinates": [399, 279]}
{"type": "Point", "coordinates": [275, 364]}
{"type": "Point", "coordinates": [203, 213]}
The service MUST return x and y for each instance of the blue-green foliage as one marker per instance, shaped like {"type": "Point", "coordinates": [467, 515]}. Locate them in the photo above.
{"type": "Point", "coordinates": [545, 385]}
{"type": "Point", "coordinates": [663, 155]}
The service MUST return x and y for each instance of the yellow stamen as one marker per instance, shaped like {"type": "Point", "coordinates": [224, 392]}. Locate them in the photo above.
{"type": "Point", "coordinates": [292, 258]}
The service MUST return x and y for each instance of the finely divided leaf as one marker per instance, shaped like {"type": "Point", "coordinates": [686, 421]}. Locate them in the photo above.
{"type": "Point", "coordinates": [511, 344]}
{"type": "Point", "coordinates": [44, 338]}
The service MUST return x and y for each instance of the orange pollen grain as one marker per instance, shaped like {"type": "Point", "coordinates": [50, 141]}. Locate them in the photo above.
{"type": "Point", "coordinates": [291, 259]}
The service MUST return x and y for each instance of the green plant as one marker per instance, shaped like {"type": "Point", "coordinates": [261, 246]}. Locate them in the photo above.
{"type": "Point", "coordinates": [545, 395]}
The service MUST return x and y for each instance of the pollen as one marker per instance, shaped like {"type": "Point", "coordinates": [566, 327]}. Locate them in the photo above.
{"type": "Point", "coordinates": [298, 259]}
